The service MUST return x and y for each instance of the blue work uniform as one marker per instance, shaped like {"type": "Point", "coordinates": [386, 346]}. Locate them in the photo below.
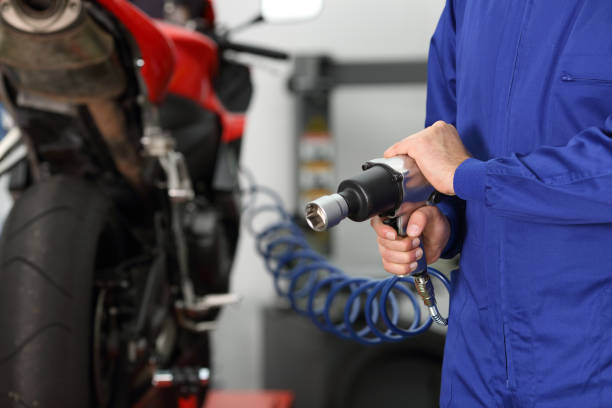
{"type": "Point", "coordinates": [528, 84]}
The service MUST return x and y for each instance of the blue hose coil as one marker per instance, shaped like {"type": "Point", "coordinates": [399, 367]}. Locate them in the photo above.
{"type": "Point", "coordinates": [360, 309]}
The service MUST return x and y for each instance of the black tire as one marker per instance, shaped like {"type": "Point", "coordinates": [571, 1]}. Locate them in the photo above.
{"type": "Point", "coordinates": [47, 261]}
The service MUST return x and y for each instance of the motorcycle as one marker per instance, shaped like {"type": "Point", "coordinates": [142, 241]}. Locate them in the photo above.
{"type": "Point", "coordinates": [115, 258]}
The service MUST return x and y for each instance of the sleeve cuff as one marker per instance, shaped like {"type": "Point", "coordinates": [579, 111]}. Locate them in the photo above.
{"type": "Point", "coordinates": [469, 180]}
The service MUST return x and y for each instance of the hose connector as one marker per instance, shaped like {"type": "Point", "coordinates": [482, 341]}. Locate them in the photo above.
{"type": "Point", "coordinates": [425, 289]}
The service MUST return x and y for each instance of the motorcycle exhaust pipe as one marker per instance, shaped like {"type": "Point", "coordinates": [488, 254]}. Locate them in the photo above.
{"type": "Point", "coordinates": [40, 16]}
{"type": "Point", "coordinates": [54, 49]}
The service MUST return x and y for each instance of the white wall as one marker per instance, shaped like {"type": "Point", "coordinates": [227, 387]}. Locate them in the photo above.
{"type": "Point", "coordinates": [346, 30]}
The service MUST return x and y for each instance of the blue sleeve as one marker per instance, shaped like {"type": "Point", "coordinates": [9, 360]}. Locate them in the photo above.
{"type": "Point", "coordinates": [454, 210]}
{"type": "Point", "coordinates": [442, 105]}
{"type": "Point", "coordinates": [571, 184]}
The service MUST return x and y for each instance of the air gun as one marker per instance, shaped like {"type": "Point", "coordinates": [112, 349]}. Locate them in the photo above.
{"type": "Point", "coordinates": [386, 187]}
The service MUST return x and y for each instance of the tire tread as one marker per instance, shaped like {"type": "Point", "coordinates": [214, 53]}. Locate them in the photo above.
{"type": "Point", "coordinates": [47, 253]}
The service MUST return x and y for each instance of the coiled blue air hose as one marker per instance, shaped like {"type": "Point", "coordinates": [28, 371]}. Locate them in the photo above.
{"type": "Point", "coordinates": [360, 309]}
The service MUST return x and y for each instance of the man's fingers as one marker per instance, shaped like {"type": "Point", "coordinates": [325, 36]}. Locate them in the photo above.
{"type": "Point", "coordinates": [404, 146]}
{"type": "Point", "coordinates": [400, 257]}
{"type": "Point", "coordinates": [392, 151]}
{"type": "Point", "coordinates": [399, 269]}
{"type": "Point", "coordinates": [404, 244]}
{"type": "Point", "coordinates": [398, 148]}
{"type": "Point", "coordinates": [382, 230]}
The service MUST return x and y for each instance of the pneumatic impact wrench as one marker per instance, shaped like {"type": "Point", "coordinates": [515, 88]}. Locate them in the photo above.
{"type": "Point", "coordinates": [386, 187]}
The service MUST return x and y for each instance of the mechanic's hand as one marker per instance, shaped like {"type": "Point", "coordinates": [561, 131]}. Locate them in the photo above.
{"type": "Point", "coordinates": [438, 151]}
{"type": "Point", "coordinates": [399, 254]}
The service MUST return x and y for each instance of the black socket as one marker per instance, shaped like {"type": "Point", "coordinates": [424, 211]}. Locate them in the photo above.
{"type": "Point", "coordinates": [375, 191]}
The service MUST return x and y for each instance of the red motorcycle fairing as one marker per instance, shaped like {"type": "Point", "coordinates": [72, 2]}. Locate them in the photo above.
{"type": "Point", "coordinates": [156, 50]}
{"type": "Point", "coordinates": [209, 13]}
{"type": "Point", "coordinates": [197, 63]}
{"type": "Point", "coordinates": [178, 61]}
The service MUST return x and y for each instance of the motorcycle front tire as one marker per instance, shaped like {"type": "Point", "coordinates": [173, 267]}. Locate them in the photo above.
{"type": "Point", "coordinates": [48, 254]}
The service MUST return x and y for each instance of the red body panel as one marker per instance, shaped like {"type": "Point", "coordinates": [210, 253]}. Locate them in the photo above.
{"type": "Point", "coordinates": [209, 13]}
{"type": "Point", "coordinates": [156, 51]}
{"type": "Point", "coordinates": [197, 62]}
{"type": "Point", "coordinates": [177, 60]}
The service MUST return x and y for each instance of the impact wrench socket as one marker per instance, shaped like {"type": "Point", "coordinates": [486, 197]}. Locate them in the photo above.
{"type": "Point", "coordinates": [386, 187]}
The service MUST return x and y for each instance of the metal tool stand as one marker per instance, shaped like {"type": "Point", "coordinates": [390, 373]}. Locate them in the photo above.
{"type": "Point", "coordinates": [313, 79]}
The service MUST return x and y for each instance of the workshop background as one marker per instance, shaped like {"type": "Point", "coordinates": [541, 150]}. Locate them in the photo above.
{"type": "Point", "coordinates": [364, 120]}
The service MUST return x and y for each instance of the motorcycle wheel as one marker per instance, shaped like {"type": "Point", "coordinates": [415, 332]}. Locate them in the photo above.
{"type": "Point", "coordinates": [48, 253]}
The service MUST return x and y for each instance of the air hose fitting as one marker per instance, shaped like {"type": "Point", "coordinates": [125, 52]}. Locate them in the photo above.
{"type": "Point", "coordinates": [425, 289]}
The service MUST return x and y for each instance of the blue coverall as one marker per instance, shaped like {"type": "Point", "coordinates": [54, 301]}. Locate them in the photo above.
{"type": "Point", "coordinates": [528, 84]}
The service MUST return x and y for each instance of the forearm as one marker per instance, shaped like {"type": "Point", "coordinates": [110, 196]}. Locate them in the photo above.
{"type": "Point", "coordinates": [564, 185]}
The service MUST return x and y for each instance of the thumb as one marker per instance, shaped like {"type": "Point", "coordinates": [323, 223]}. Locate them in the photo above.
{"type": "Point", "coordinates": [418, 221]}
